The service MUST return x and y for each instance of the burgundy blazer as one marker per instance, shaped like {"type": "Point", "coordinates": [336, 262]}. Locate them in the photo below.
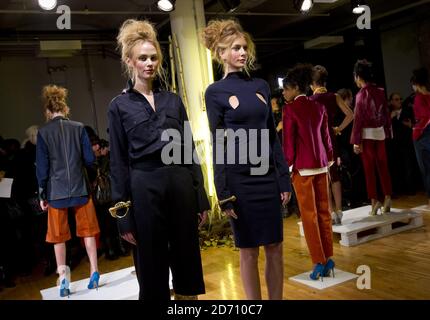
{"type": "Point", "coordinates": [371, 111]}
{"type": "Point", "coordinates": [307, 143]}
{"type": "Point", "coordinates": [422, 114]}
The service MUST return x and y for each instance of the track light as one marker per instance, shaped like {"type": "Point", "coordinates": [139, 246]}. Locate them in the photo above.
{"type": "Point", "coordinates": [229, 5]}
{"type": "Point", "coordinates": [303, 5]}
{"type": "Point", "coordinates": [166, 5]}
{"type": "Point", "coordinates": [47, 4]}
{"type": "Point", "coordinates": [357, 6]}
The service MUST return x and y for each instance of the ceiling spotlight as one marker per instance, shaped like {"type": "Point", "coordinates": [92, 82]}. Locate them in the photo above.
{"type": "Point", "coordinates": [358, 10]}
{"type": "Point", "coordinates": [47, 4]}
{"type": "Point", "coordinates": [357, 6]}
{"type": "Point", "coordinates": [303, 5]}
{"type": "Point", "coordinates": [230, 5]}
{"type": "Point", "coordinates": [166, 5]}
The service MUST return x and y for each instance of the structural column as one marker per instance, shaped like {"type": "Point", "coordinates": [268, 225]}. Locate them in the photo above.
{"type": "Point", "coordinates": [194, 74]}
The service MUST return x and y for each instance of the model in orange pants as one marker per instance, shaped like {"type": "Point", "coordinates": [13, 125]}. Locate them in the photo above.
{"type": "Point", "coordinates": [312, 196]}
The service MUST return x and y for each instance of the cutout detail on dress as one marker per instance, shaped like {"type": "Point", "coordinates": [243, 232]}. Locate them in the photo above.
{"type": "Point", "coordinates": [260, 96]}
{"type": "Point", "coordinates": [233, 101]}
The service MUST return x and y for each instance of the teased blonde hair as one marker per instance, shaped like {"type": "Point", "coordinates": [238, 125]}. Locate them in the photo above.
{"type": "Point", "coordinates": [54, 99]}
{"type": "Point", "coordinates": [133, 32]}
{"type": "Point", "coordinates": [220, 35]}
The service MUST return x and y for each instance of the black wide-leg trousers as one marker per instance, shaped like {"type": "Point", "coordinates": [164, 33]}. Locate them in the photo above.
{"type": "Point", "coordinates": [165, 212]}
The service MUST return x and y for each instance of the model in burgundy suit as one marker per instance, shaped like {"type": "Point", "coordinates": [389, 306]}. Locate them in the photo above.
{"type": "Point", "coordinates": [372, 125]}
{"type": "Point", "coordinates": [333, 104]}
{"type": "Point", "coordinates": [307, 147]}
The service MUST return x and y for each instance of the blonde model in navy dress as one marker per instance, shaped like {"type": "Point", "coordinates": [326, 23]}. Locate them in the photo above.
{"type": "Point", "coordinates": [241, 103]}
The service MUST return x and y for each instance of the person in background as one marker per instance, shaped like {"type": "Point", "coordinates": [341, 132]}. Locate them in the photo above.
{"type": "Point", "coordinates": [421, 128]}
{"type": "Point", "coordinates": [401, 153]}
{"type": "Point", "coordinates": [332, 102]}
{"type": "Point", "coordinates": [63, 150]}
{"type": "Point", "coordinates": [276, 103]}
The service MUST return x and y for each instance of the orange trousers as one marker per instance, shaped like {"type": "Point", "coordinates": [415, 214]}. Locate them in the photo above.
{"type": "Point", "coordinates": [58, 225]}
{"type": "Point", "coordinates": [313, 198]}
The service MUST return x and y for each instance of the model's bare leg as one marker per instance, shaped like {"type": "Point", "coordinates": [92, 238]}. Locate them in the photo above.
{"type": "Point", "coordinates": [249, 273]}
{"type": "Point", "coordinates": [91, 246]}
{"type": "Point", "coordinates": [274, 271]}
{"type": "Point", "coordinates": [336, 188]}
{"type": "Point", "coordinates": [60, 257]}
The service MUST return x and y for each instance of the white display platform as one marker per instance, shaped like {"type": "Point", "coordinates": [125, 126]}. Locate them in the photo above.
{"type": "Point", "coordinates": [117, 285]}
{"type": "Point", "coordinates": [359, 227]}
{"type": "Point", "coordinates": [424, 209]}
{"type": "Point", "coordinates": [340, 277]}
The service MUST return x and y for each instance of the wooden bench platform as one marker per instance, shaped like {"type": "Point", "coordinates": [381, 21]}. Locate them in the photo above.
{"type": "Point", "coordinates": [358, 227]}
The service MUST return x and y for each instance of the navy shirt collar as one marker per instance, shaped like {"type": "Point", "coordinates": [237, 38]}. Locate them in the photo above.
{"type": "Point", "coordinates": [130, 87]}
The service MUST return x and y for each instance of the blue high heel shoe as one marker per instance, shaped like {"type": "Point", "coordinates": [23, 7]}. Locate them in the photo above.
{"type": "Point", "coordinates": [94, 281]}
{"type": "Point", "coordinates": [329, 268]}
{"type": "Point", "coordinates": [317, 273]}
{"type": "Point", "coordinates": [64, 288]}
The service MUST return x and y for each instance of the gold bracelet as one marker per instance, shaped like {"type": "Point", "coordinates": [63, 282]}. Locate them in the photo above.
{"type": "Point", "coordinates": [118, 206]}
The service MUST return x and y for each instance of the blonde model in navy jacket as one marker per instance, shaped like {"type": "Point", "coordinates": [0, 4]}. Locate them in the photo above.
{"type": "Point", "coordinates": [166, 199]}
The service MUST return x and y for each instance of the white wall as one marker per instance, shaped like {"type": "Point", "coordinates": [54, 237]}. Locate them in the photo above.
{"type": "Point", "coordinates": [22, 79]}
{"type": "Point", "coordinates": [400, 50]}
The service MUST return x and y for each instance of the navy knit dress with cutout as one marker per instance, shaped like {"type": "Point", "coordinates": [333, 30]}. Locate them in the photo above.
{"type": "Point", "coordinates": [258, 204]}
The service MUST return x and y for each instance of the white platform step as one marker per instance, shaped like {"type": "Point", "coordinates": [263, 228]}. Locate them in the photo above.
{"type": "Point", "coordinates": [117, 285]}
{"type": "Point", "coordinates": [424, 209]}
{"type": "Point", "coordinates": [358, 227]}
{"type": "Point", "coordinates": [340, 277]}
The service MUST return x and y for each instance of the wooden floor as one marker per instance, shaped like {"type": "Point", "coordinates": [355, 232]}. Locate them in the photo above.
{"type": "Point", "coordinates": [400, 267]}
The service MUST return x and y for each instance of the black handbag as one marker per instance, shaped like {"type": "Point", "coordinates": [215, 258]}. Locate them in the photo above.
{"type": "Point", "coordinates": [102, 189]}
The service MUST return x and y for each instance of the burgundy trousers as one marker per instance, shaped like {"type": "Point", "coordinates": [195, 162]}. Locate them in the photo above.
{"type": "Point", "coordinates": [375, 163]}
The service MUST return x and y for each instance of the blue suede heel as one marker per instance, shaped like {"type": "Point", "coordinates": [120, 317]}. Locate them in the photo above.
{"type": "Point", "coordinates": [94, 281]}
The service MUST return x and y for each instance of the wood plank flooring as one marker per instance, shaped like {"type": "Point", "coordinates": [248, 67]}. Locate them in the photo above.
{"type": "Point", "coordinates": [400, 267]}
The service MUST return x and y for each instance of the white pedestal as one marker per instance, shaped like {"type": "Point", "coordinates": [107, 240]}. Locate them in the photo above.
{"type": "Point", "coordinates": [340, 277]}
{"type": "Point", "coordinates": [358, 227]}
{"type": "Point", "coordinates": [117, 285]}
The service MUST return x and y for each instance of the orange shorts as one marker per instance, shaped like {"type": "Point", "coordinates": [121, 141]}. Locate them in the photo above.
{"type": "Point", "coordinates": [58, 226]}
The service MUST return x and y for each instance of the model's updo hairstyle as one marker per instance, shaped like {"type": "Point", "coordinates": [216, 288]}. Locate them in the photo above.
{"type": "Point", "coordinates": [133, 32]}
{"type": "Point", "coordinates": [220, 34]}
{"type": "Point", "coordinates": [364, 70]}
{"type": "Point", "coordinates": [319, 75]}
{"type": "Point", "coordinates": [299, 76]}
{"type": "Point", "coordinates": [54, 99]}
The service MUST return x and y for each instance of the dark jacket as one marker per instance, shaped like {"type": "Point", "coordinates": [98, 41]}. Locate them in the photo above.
{"type": "Point", "coordinates": [135, 132]}
{"type": "Point", "coordinates": [62, 150]}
